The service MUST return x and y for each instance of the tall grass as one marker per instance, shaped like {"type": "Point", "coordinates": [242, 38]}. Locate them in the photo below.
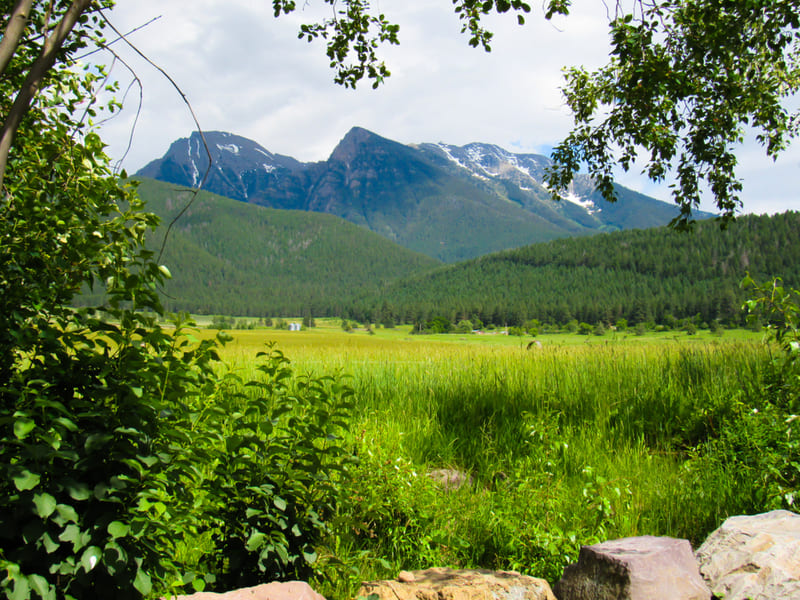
{"type": "Point", "coordinates": [564, 445]}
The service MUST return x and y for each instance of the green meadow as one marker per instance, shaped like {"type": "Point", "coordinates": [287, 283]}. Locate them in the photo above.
{"type": "Point", "coordinates": [576, 441]}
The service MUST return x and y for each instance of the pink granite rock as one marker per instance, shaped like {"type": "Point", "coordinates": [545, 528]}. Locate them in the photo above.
{"type": "Point", "coordinates": [459, 584]}
{"type": "Point", "coordinates": [290, 590]}
{"type": "Point", "coordinates": [636, 568]}
{"type": "Point", "coordinates": [756, 557]}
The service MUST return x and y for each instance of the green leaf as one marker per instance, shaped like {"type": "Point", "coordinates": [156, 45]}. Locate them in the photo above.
{"type": "Point", "coordinates": [255, 541]}
{"type": "Point", "coordinates": [118, 529]}
{"type": "Point", "coordinates": [45, 505]}
{"type": "Point", "coordinates": [279, 503]}
{"type": "Point", "coordinates": [40, 585]}
{"type": "Point", "coordinates": [66, 423]}
{"type": "Point", "coordinates": [97, 441]}
{"type": "Point", "coordinates": [23, 427]}
{"type": "Point", "coordinates": [49, 544]}
{"type": "Point", "coordinates": [283, 553]}
{"type": "Point", "coordinates": [26, 481]}
{"type": "Point", "coordinates": [114, 556]}
{"type": "Point", "coordinates": [142, 583]}
{"type": "Point", "coordinates": [90, 557]}
{"type": "Point", "coordinates": [66, 514]}
{"type": "Point", "coordinates": [21, 590]}
{"type": "Point", "coordinates": [71, 533]}
{"type": "Point", "coordinates": [78, 491]}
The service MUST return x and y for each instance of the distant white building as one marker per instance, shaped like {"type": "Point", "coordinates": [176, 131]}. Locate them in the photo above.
{"type": "Point", "coordinates": [294, 326]}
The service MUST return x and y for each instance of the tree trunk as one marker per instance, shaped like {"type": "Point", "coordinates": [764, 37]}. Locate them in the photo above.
{"type": "Point", "coordinates": [14, 28]}
{"type": "Point", "coordinates": [38, 70]}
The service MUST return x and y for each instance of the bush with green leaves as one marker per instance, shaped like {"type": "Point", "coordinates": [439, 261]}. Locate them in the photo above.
{"type": "Point", "coordinates": [124, 443]}
{"type": "Point", "coordinates": [772, 434]}
{"type": "Point", "coordinates": [275, 471]}
{"type": "Point", "coordinates": [760, 439]}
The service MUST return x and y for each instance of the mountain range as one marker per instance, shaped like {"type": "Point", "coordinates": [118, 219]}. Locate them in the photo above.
{"type": "Point", "coordinates": [449, 202]}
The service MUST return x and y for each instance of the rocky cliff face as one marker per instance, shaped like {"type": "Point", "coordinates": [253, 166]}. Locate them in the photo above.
{"type": "Point", "coordinates": [450, 202]}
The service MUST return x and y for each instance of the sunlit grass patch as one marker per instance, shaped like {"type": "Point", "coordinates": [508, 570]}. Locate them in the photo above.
{"type": "Point", "coordinates": [575, 441]}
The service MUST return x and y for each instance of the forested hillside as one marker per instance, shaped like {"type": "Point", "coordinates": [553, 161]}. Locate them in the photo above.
{"type": "Point", "coordinates": [654, 275]}
{"type": "Point", "coordinates": [229, 257]}
{"type": "Point", "coordinates": [233, 258]}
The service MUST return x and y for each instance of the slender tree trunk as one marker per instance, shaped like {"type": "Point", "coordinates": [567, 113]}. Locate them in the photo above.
{"type": "Point", "coordinates": [14, 28]}
{"type": "Point", "coordinates": [38, 70]}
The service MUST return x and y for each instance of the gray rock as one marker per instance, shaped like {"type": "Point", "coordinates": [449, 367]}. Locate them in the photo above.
{"type": "Point", "coordinates": [459, 584]}
{"type": "Point", "coordinates": [290, 590]}
{"type": "Point", "coordinates": [636, 568]}
{"type": "Point", "coordinates": [450, 479]}
{"type": "Point", "coordinates": [755, 557]}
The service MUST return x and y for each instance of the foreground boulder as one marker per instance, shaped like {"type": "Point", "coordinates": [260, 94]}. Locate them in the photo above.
{"type": "Point", "coordinates": [636, 568]}
{"type": "Point", "coordinates": [457, 584]}
{"type": "Point", "coordinates": [756, 557]}
{"type": "Point", "coordinates": [290, 590]}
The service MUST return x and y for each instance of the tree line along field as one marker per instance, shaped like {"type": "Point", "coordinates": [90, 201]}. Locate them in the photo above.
{"type": "Point", "coordinates": [574, 442]}
{"type": "Point", "coordinates": [653, 275]}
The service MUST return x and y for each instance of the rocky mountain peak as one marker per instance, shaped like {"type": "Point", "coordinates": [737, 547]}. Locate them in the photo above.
{"type": "Point", "coordinates": [450, 202]}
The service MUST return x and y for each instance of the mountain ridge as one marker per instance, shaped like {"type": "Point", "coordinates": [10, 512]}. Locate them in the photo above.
{"type": "Point", "coordinates": [449, 202]}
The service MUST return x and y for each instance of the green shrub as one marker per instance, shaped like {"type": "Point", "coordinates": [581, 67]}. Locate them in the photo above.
{"type": "Point", "coordinates": [124, 444]}
{"type": "Point", "coordinates": [221, 322]}
{"type": "Point", "coordinates": [275, 472]}
{"type": "Point", "coordinates": [464, 326]}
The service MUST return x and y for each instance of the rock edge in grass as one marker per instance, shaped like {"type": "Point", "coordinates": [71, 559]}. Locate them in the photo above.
{"type": "Point", "coordinates": [458, 584]}
{"type": "Point", "coordinates": [289, 590]}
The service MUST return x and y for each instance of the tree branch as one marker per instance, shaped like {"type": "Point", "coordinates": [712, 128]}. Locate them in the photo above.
{"type": "Point", "coordinates": [14, 28]}
{"type": "Point", "coordinates": [37, 72]}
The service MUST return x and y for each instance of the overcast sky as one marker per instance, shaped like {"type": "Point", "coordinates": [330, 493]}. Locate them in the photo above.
{"type": "Point", "coordinates": [246, 72]}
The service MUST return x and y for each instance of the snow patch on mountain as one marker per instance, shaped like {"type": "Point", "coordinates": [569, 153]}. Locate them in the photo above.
{"type": "Point", "coordinates": [446, 149]}
{"type": "Point", "coordinates": [229, 147]}
{"type": "Point", "coordinates": [264, 152]}
{"type": "Point", "coordinates": [584, 203]}
{"type": "Point", "coordinates": [195, 170]}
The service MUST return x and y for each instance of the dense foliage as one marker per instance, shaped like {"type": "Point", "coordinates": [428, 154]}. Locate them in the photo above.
{"type": "Point", "coordinates": [124, 444]}
{"type": "Point", "coordinates": [686, 81]}
{"type": "Point", "coordinates": [654, 276]}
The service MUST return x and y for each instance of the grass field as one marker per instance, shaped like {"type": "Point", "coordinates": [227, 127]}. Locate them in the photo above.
{"type": "Point", "coordinates": [582, 439]}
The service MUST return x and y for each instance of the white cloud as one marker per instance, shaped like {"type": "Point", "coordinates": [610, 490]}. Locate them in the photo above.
{"type": "Point", "coordinates": [246, 72]}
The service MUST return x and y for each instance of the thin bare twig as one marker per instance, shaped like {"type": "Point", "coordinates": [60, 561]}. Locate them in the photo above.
{"type": "Point", "coordinates": [106, 45]}
{"type": "Point", "coordinates": [194, 190]}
